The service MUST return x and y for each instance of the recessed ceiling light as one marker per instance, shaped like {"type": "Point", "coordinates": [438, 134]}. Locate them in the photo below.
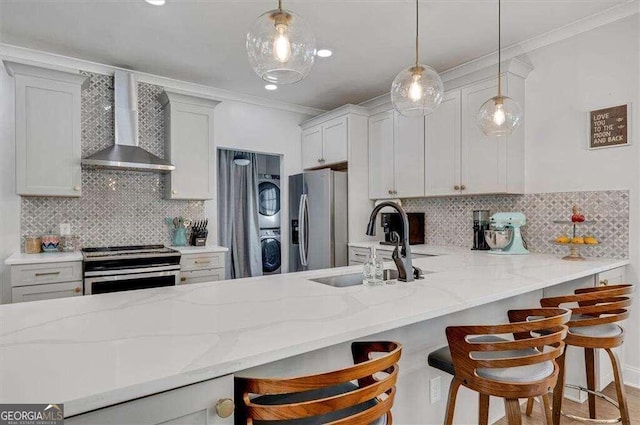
{"type": "Point", "coordinates": [324, 53]}
{"type": "Point", "coordinates": [271, 87]}
{"type": "Point", "coordinates": [156, 2]}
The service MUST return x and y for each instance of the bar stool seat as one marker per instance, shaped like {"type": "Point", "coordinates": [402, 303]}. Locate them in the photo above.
{"type": "Point", "coordinates": [321, 393]}
{"type": "Point", "coordinates": [598, 331]}
{"type": "Point", "coordinates": [325, 398]}
{"type": "Point", "coordinates": [441, 359]}
{"type": "Point", "coordinates": [483, 361]}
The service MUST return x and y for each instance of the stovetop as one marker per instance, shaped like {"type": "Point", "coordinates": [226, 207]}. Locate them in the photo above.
{"type": "Point", "coordinates": [128, 251]}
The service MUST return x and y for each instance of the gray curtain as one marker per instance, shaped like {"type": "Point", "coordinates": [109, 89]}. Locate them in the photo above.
{"type": "Point", "coordinates": [238, 226]}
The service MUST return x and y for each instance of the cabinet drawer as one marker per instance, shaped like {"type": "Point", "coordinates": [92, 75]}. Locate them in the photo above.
{"type": "Point", "coordinates": [193, 404]}
{"type": "Point", "coordinates": [202, 261]}
{"type": "Point", "coordinates": [358, 255]}
{"type": "Point", "coordinates": [36, 274]}
{"type": "Point", "coordinates": [198, 276]}
{"type": "Point", "coordinates": [49, 291]}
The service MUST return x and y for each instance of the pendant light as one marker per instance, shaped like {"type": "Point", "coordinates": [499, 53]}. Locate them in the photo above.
{"type": "Point", "coordinates": [281, 46]}
{"type": "Point", "coordinates": [500, 115]}
{"type": "Point", "coordinates": [417, 90]}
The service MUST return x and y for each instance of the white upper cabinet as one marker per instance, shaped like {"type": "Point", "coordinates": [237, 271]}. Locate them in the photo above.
{"type": "Point", "coordinates": [408, 156]}
{"type": "Point", "coordinates": [326, 143]}
{"type": "Point", "coordinates": [396, 155]}
{"type": "Point", "coordinates": [381, 164]}
{"type": "Point", "coordinates": [491, 164]}
{"type": "Point", "coordinates": [442, 147]}
{"type": "Point", "coordinates": [47, 125]}
{"type": "Point", "coordinates": [189, 146]}
{"type": "Point", "coordinates": [312, 147]}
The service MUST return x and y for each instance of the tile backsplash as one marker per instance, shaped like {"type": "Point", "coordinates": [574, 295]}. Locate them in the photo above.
{"type": "Point", "coordinates": [116, 207]}
{"type": "Point", "coordinates": [449, 220]}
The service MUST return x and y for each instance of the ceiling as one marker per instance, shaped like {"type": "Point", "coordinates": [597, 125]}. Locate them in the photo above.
{"type": "Point", "coordinates": [203, 41]}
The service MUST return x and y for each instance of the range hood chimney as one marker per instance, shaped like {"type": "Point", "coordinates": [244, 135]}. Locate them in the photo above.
{"type": "Point", "coordinates": [126, 154]}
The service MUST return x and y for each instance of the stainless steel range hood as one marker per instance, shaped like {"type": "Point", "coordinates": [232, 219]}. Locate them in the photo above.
{"type": "Point", "coordinates": [126, 154]}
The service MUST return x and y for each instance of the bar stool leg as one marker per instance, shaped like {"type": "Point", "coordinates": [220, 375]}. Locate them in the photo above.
{"type": "Point", "coordinates": [451, 403]}
{"type": "Point", "coordinates": [546, 407]}
{"type": "Point", "coordinates": [617, 378]}
{"type": "Point", "coordinates": [589, 364]}
{"type": "Point", "coordinates": [512, 408]}
{"type": "Point", "coordinates": [530, 402]}
{"type": "Point", "coordinates": [558, 391]}
{"type": "Point", "coordinates": [483, 415]}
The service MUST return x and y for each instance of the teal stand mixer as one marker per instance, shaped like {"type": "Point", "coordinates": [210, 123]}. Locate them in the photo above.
{"type": "Point", "coordinates": [504, 237]}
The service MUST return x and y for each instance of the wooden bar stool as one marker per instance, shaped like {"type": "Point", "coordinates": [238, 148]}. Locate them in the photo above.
{"type": "Point", "coordinates": [327, 398]}
{"type": "Point", "coordinates": [481, 360]}
{"type": "Point", "coordinates": [595, 312]}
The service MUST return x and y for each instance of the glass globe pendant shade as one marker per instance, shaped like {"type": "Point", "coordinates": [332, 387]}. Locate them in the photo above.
{"type": "Point", "coordinates": [417, 91]}
{"type": "Point", "coordinates": [281, 47]}
{"type": "Point", "coordinates": [499, 116]}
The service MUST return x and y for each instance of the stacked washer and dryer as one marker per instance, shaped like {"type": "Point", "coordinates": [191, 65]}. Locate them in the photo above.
{"type": "Point", "coordinates": [269, 221]}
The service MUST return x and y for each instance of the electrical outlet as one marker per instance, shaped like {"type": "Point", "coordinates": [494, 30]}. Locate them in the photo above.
{"type": "Point", "coordinates": [435, 390]}
{"type": "Point", "coordinates": [65, 229]}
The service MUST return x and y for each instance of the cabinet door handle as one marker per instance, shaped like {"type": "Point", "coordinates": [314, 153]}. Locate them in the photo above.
{"type": "Point", "coordinates": [456, 187]}
{"type": "Point", "coordinates": [47, 274]}
{"type": "Point", "coordinates": [183, 279]}
{"type": "Point", "coordinates": [76, 188]}
{"type": "Point", "coordinates": [77, 290]}
{"type": "Point", "coordinates": [321, 160]}
{"type": "Point", "coordinates": [225, 407]}
{"type": "Point", "coordinates": [390, 192]}
{"type": "Point", "coordinates": [604, 282]}
{"type": "Point", "coordinates": [463, 187]}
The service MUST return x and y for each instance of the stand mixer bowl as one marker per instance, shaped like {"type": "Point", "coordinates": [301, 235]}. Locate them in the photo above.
{"type": "Point", "coordinates": [498, 239]}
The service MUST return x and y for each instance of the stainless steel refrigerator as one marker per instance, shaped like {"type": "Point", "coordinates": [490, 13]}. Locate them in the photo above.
{"type": "Point", "coordinates": [318, 220]}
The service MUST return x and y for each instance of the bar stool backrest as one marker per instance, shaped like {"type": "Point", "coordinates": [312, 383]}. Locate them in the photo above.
{"type": "Point", "coordinates": [532, 330]}
{"type": "Point", "coordinates": [376, 378]}
{"type": "Point", "coordinates": [596, 305]}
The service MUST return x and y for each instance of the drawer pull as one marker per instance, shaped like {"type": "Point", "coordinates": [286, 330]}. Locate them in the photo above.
{"type": "Point", "coordinates": [359, 255]}
{"type": "Point", "coordinates": [202, 261]}
{"type": "Point", "coordinates": [183, 279]}
{"type": "Point", "coordinates": [604, 282]}
{"type": "Point", "coordinates": [76, 188]}
{"type": "Point", "coordinates": [77, 290]}
{"type": "Point", "coordinates": [47, 274]}
{"type": "Point", "coordinates": [225, 407]}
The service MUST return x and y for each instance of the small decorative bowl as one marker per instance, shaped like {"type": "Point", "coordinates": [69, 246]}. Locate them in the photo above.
{"type": "Point", "coordinates": [50, 243]}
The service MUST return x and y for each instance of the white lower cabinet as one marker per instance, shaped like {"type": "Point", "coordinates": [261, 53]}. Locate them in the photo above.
{"type": "Point", "coordinates": [359, 255]}
{"type": "Point", "coordinates": [203, 403]}
{"type": "Point", "coordinates": [46, 281]}
{"type": "Point", "coordinates": [205, 267]}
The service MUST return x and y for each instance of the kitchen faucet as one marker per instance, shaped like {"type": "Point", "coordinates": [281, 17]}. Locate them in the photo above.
{"type": "Point", "coordinates": [406, 271]}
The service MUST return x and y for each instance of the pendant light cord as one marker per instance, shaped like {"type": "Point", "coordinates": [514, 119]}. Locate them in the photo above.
{"type": "Point", "coordinates": [499, 48]}
{"type": "Point", "coordinates": [280, 5]}
{"type": "Point", "coordinates": [417, 31]}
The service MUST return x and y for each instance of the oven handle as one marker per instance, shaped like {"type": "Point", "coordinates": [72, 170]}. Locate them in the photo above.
{"type": "Point", "coordinates": [88, 282]}
{"type": "Point", "coordinates": [131, 271]}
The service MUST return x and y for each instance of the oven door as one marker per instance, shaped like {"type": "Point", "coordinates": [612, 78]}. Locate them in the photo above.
{"type": "Point", "coordinates": [130, 281]}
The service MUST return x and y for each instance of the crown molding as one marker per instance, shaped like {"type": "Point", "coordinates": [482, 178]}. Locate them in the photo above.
{"type": "Point", "coordinates": [488, 62]}
{"type": "Point", "coordinates": [17, 68]}
{"type": "Point", "coordinates": [335, 113]}
{"type": "Point", "coordinates": [169, 96]}
{"type": "Point", "coordinates": [74, 65]}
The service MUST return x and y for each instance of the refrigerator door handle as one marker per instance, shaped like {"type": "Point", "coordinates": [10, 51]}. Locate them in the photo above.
{"type": "Point", "coordinates": [302, 236]}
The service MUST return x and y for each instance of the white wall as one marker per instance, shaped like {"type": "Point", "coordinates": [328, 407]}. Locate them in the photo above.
{"type": "Point", "coordinates": [264, 130]}
{"type": "Point", "coordinates": [595, 69]}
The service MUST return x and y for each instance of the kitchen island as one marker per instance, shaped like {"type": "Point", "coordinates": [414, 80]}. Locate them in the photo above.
{"type": "Point", "coordinates": [97, 351]}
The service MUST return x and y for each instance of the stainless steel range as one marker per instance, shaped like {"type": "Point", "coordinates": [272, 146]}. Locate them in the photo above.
{"type": "Point", "coordinates": [125, 268]}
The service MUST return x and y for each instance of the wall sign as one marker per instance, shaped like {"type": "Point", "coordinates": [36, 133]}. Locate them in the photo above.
{"type": "Point", "coordinates": [609, 127]}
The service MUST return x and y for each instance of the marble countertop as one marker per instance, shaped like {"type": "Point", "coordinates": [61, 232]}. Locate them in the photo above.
{"type": "Point", "coordinates": [184, 250]}
{"type": "Point", "coordinates": [94, 351]}
{"type": "Point", "coordinates": [43, 257]}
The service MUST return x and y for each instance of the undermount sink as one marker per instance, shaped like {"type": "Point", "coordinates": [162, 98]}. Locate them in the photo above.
{"type": "Point", "coordinates": [353, 279]}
